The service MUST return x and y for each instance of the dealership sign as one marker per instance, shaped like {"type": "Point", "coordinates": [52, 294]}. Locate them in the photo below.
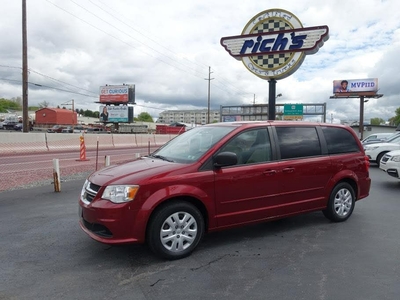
{"type": "Point", "coordinates": [274, 43]}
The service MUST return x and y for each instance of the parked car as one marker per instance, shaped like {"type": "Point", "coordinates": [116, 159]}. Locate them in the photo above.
{"type": "Point", "coordinates": [18, 126]}
{"type": "Point", "coordinates": [9, 125]}
{"type": "Point", "coordinates": [96, 130]}
{"type": "Point", "coordinates": [67, 129]}
{"type": "Point", "coordinates": [390, 163]}
{"type": "Point", "coordinates": [376, 138]}
{"type": "Point", "coordinates": [56, 129]}
{"type": "Point", "coordinates": [375, 152]}
{"type": "Point", "coordinates": [1, 125]}
{"type": "Point", "coordinates": [225, 175]}
{"type": "Point", "coordinates": [79, 129]}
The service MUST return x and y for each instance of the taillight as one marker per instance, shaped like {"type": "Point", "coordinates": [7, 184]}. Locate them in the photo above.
{"type": "Point", "coordinates": [367, 163]}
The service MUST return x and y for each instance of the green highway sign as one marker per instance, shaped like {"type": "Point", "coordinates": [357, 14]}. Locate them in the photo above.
{"type": "Point", "coordinates": [293, 110]}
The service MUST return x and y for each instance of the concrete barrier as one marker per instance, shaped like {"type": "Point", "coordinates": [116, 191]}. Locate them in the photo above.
{"type": "Point", "coordinates": [124, 140]}
{"type": "Point", "coordinates": [18, 142]}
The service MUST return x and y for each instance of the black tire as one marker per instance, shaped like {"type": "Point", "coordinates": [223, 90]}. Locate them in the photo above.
{"type": "Point", "coordinates": [379, 157]}
{"type": "Point", "coordinates": [341, 203]}
{"type": "Point", "coordinates": [175, 230]}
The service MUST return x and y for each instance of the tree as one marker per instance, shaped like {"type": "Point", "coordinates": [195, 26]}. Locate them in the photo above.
{"type": "Point", "coordinates": [6, 105]}
{"type": "Point", "coordinates": [88, 113]}
{"type": "Point", "coordinates": [377, 121]}
{"type": "Point", "coordinates": [396, 118]}
{"type": "Point", "coordinates": [145, 117]}
{"type": "Point", "coordinates": [33, 108]}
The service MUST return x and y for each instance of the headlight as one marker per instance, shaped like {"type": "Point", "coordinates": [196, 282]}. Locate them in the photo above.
{"type": "Point", "coordinates": [370, 148]}
{"type": "Point", "coordinates": [120, 193]}
{"type": "Point", "coordinates": [396, 158]}
{"type": "Point", "coordinates": [84, 188]}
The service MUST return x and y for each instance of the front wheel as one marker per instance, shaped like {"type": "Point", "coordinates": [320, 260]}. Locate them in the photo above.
{"type": "Point", "coordinates": [341, 203]}
{"type": "Point", "coordinates": [379, 157]}
{"type": "Point", "coordinates": [175, 230]}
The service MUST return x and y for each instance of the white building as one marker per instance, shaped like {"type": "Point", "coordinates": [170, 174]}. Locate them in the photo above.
{"type": "Point", "coordinates": [197, 116]}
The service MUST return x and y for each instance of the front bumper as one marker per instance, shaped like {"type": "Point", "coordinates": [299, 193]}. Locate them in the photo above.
{"type": "Point", "coordinates": [111, 223]}
{"type": "Point", "coordinates": [390, 167]}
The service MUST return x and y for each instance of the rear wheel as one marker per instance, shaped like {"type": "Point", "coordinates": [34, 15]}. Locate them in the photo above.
{"type": "Point", "coordinates": [341, 203]}
{"type": "Point", "coordinates": [175, 230]}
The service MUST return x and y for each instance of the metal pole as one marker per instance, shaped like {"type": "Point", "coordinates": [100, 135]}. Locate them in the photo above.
{"type": "Point", "coordinates": [361, 125]}
{"type": "Point", "coordinates": [209, 88]}
{"type": "Point", "coordinates": [272, 99]}
{"type": "Point", "coordinates": [25, 116]}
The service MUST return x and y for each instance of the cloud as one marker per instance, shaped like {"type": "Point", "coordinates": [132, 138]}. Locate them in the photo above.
{"type": "Point", "coordinates": [166, 47]}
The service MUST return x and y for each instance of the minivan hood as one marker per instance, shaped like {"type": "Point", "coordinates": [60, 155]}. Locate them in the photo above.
{"type": "Point", "coordinates": [134, 172]}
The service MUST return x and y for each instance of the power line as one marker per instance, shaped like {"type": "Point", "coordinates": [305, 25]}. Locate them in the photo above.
{"type": "Point", "coordinates": [50, 87]}
{"type": "Point", "coordinates": [160, 45]}
{"type": "Point", "coordinates": [118, 18]}
{"type": "Point", "coordinates": [114, 37]}
{"type": "Point", "coordinates": [158, 58]}
{"type": "Point", "coordinates": [62, 82]}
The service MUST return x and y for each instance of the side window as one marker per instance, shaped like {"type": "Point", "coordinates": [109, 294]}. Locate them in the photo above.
{"type": "Point", "coordinates": [298, 142]}
{"type": "Point", "coordinates": [339, 140]}
{"type": "Point", "coordinates": [252, 146]}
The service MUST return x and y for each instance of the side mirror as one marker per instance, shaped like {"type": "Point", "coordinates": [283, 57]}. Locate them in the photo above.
{"type": "Point", "coordinates": [225, 159]}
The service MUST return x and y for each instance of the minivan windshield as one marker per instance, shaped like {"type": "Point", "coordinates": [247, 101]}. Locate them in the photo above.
{"type": "Point", "coordinates": [191, 145]}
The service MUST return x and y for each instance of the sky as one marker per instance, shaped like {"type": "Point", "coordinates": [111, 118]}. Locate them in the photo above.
{"type": "Point", "coordinates": [166, 48]}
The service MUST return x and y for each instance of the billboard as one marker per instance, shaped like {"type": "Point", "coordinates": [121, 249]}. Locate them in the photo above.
{"type": "Point", "coordinates": [117, 94]}
{"type": "Point", "coordinates": [355, 86]}
{"type": "Point", "coordinates": [114, 114]}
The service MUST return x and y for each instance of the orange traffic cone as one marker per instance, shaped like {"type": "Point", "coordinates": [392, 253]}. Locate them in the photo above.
{"type": "Point", "coordinates": [82, 153]}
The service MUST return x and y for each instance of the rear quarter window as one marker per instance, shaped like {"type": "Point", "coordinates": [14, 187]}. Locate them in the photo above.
{"type": "Point", "coordinates": [296, 142]}
{"type": "Point", "coordinates": [339, 140]}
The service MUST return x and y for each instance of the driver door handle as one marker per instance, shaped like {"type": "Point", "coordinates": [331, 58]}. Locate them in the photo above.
{"type": "Point", "coordinates": [288, 170]}
{"type": "Point", "coordinates": [269, 172]}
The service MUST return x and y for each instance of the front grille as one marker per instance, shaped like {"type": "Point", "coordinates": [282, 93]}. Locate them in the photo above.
{"type": "Point", "coordinates": [385, 158]}
{"type": "Point", "coordinates": [90, 192]}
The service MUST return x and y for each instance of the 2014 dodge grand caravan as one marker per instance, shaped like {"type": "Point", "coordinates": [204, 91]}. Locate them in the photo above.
{"type": "Point", "coordinates": [224, 175]}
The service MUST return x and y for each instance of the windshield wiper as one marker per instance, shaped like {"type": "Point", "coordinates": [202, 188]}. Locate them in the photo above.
{"type": "Point", "coordinates": [161, 157]}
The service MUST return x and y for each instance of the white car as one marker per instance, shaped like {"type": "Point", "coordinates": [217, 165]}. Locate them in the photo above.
{"type": "Point", "coordinates": [390, 163]}
{"type": "Point", "coordinates": [376, 137]}
{"type": "Point", "coordinates": [375, 152]}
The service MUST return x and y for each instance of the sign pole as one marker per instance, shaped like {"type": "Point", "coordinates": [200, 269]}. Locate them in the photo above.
{"type": "Point", "coordinates": [271, 99]}
{"type": "Point", "coordinates": [361, 124]}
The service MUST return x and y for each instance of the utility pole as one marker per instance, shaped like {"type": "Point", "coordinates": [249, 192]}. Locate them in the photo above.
{"type": "Point", "coordinates": [25, 116]}
{"type": "Point", "coordinates": [254, 99]}
{"type": "Point", "coordinates": [73, 111]}
{"type": "Point", "coordinates": [209, 86]}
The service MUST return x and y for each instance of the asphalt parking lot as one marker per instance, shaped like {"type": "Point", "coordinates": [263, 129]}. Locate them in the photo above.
{"type": "Point", "coordinates": [45, 255]}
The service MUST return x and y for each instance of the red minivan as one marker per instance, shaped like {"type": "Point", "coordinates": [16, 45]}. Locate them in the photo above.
{"type": "Point", "coordinates": [225, 175]}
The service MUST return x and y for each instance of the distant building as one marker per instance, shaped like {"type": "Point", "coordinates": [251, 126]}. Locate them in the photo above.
{"type": "Point", "coordinates": [55, 116]}
{"type": "Point", "coordinates": [196, 116]}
